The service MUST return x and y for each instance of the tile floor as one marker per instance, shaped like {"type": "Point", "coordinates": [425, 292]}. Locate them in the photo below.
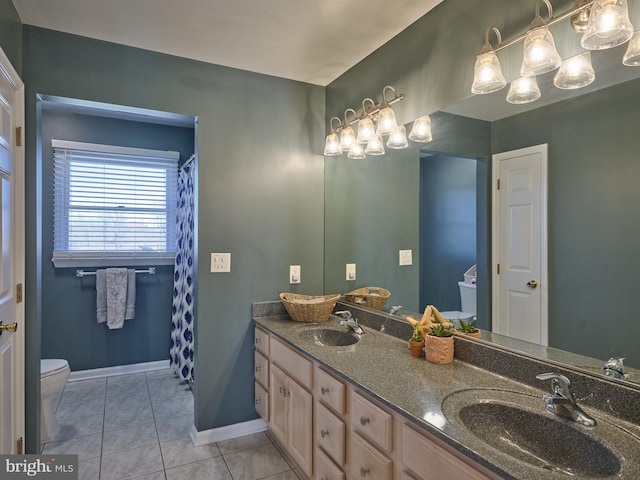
{"type": "Point", "coordinates": [137, 426]}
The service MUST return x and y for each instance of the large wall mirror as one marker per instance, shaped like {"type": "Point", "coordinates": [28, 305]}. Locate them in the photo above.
{"type": "Point", "coordinates": [376, 207]}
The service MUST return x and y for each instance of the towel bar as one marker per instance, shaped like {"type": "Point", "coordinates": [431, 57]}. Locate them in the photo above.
{"type": "Point", "coordinates": [82, 273]}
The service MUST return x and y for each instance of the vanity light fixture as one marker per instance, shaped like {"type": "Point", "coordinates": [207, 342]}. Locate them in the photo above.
{"type": "Point", "coordinates": [386, 117]}
{"type": "Point", "coordinates": [575, 72]}
{"type": "Point", "coordinates": [347, 135]}
{"type": "Point", "coordinates": [539, 54]}
{"type": "Point", "coordinates": [523, 90]}
{"type": "Point", "coordinates": [398, 138]}
{"type": "Point", "coordinates": [332, 142]}
{"type": "Point", "coordinates": [421, 130]}
{"type": "Point", "coordinates": [632, 56]}
{"type": "Point", "coordinates": [487, 75]}
{"type": "Point", "coordinates": [608, 25]}
{"type": "Point", "coordinates": [580, 19]}
{"type": "Point", "coordinates": [356, 152]}
{"type": "Point", "coordinates": [375, 146]}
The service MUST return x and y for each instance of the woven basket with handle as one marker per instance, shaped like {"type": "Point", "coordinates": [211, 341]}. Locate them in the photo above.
{"type": "Point", "coordinates": [309, 308]}
{"type": "Point", "coordinates": [372, 297]}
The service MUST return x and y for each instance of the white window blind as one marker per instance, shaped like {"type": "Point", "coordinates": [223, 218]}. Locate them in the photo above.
{"type": "Point", "coordinates": [113, 205]}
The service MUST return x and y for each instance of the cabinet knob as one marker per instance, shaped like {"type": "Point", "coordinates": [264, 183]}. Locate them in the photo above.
{"type": "Point", "coordinates": [324, 390]}
{"type": "Point", "coordinates": [258, 401]}
{"type": "Point", "coordinates": [364, 471]}
{"type": "Point", "coordinates": [257, 368]}
{"type": "Point", "coordinates": [324, 433]}
{"type": "Point", "coordinates": [364, 421]}
{"type": "Point", "coordinates": [286, 393]}
{"type": "Point", "coordinates": [281, 390]}
{"type": "Point", "coordinates": [258, 340]}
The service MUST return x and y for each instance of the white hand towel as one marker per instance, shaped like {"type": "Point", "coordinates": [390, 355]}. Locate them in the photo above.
{"type": "Point", "coordinates": [130, 310]}
{"type": "Point", "coordinates": [116, 296]}
{"type": "Point", "coordinates": [101, 295]}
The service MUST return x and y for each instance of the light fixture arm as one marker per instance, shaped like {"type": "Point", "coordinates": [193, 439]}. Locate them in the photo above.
{"type": "Point", "coordinates": [346, 120]}
{"type": "Point", "coordinates": [365, 112]}
{"type": "Point", "coordinates": [487, 47]}
{"type": "Point", "coordinates": [331, 129]}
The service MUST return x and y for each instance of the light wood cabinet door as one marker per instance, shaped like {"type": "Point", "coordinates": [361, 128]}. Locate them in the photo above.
{"type": "Point", "coordinates": [300, 424]}
{"type": "Point", "coordinates": [366, 462]}
{"type": "Point", "coordinates": [262, 401]}
{"type": "Point", "coordinates": [261, 369]}
{"type": "Point", "coordinates": [278, 404]}
{"type": "Point", "coordinates": [330, 391]}
{"type": "Point", "coordinates": [329, 433]}
{"type": "Point", "coordinates": [326, 469]}
{"type": "Point", "coordinates": [261, 341]}
{"type": "Point", "coordinates": [371, 420]}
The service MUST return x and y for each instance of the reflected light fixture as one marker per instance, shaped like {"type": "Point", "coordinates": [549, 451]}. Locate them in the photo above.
{"type": "Point", "coordinates": [580, 19]}
{"type": "Point", "coordinates": [421, 130]}
{"type": "Point", "coordinates": [356, 152]}
{"type": "Point", "coordinates": [398, 138]}
{"type": "Point", "coordinates": [487, 75]}
{"type": "Point", "coordinates": [386, 117]}
{"type": "Point", "coordinates": [575, 72]}
{"type": "Point", "coordinates": [523, 90]}
{"type": "Point", "coordinates": [375, 146]}
{"type": "Point", "coordinates": [632, 56]}
{"type": "Point", "coordinates": [332, 142]}
{"type": "Point", "coordinates": [347, 135]}
{"type": "Point", "coordinates": [608, 25]}
{"type": "Point", "coordinates": [366, 128]}
{"type": "Point", "coordinates": [540, 54]}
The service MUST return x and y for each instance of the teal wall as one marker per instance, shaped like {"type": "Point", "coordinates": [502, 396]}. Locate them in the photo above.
{"type": "Point", "coordinates": [260, 190]}
{"type": "Point", "coordinates": [71, 301]}
{"type": "Point", "coordinates": [594, 216]}
{"type": "Point", "coordinates": [11, 34]}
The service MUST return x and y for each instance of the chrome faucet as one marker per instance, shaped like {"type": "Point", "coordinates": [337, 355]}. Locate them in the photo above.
{"type": "Point", "coordinates": [614, 367]}
{"type": "Point", "coordinates": [349, 321]}
{"type": "Point", "coordinates": [394, 309]}
{"type": "Point", "coordinates": [561, 400]}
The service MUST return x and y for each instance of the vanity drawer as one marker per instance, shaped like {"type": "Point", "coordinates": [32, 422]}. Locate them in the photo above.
{"type": "Point", "coordinates": [261, 341]}
{"type": "Point", "coordinates": [330, 433]}
{"type": "Point", "coordinates": [326, 469]}
{"type": "Point", "coordinates": [291, 362]}
{"type": "Point", "coordinates": [374, 422]}
{"type": "Point", "coordinates": [432, 462]}
{"type": "Point", "coordinates": [330, 391]}
{"type": "Point", "coordinates": [261, 369]}
{"type": "Point", "coordinates": [262, 401]}
{"type": "Point", "coordinates": [367, 462]}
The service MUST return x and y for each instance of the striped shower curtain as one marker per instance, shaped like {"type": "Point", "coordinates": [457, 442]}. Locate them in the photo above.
{"type": "Point", "coordinates": [182, 341]}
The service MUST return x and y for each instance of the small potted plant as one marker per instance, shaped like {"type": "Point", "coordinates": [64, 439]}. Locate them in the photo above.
{"type": "Point", "coordinates": [439, 344]}
{"type": "Point", "coordinates": [416, 342]}
{"type": "Point", "coordinates": [469, 329]}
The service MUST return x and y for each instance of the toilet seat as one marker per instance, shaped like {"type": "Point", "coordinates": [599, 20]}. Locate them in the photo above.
{"type": "Point", "coordinates": [52, 366]}
{"type": "Point", "coordinates": [457, 315]}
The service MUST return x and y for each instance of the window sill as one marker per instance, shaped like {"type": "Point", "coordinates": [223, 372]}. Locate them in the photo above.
{"type": "Point", "coordinates": [113, 260]}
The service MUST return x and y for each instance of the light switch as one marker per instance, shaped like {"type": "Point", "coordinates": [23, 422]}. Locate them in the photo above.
{"type": "Point", "coordinates": [406, 257]}
{"type": "Point", "coordinates": [351, 272]}
{"type": "Point", "coordinates": [294, 274]}
{"type": "Point", "coordinates": [220, 262]}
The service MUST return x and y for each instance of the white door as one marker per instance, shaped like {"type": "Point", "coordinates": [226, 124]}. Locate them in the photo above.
{"type": "Point", "coordinates": [11, 259]}
{"type": "Point", "coordinates": [520, 244]}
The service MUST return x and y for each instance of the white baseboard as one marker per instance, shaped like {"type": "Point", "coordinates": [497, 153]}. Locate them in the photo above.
{"type": "Point", "coordinates": [118, 370]}
{"type": "Point", "coordinates": [227, 432]}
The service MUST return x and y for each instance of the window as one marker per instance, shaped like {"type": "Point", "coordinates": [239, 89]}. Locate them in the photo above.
{"type": "Point", "coordinates": [113, 205]}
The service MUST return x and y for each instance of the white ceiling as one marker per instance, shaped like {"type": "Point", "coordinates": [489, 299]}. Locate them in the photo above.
{"type": "Point", "coordinates": [313, 41]}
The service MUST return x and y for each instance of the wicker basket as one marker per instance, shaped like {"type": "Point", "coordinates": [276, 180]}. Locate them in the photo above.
{"type": "Point", "coordinates": [309, 308]}
{"type": "Point", "coordinates": [372, 297]}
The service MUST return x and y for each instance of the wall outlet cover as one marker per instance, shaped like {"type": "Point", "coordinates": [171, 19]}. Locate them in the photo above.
{"type": "Point", "coordinates": [351, 272]}
{"type": "Point", "coordinates": [220, 262]}
{"type": "Point", "coordinates": [406, 257]}
{"type": "Point", "coordinates": [294, 274]}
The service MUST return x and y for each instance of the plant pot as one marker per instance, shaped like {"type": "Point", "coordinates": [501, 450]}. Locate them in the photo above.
{"type": "Point", "coordinates": [476, 334]}
{"type": "Point", "coordinates": [416, 348]}
{"type": "Point", "coordinates": [439, 349]}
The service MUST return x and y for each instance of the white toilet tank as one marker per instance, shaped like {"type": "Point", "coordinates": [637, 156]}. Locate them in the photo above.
{"type": "Point", "coordinates": [468, 297]}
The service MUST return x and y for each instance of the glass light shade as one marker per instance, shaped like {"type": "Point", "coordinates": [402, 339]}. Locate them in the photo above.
{"type": "Point", "coordinates": [487, 75]}
{"type": "Point", "coordinates": [421, 130]}
{"type": "Point", "coordinates": [632, 56]}
{"type": "Point", "coordinates": [375, 146]}
{"type": "Point", "coordinates": [356, 152]}
{"type": "Point", "coordinates": [540, 54]}
{"type": "Point", "coordinates": [575, 72]}
{"type": "Point", "coordinates": [366, 130]}
{"type": "Point", "coordinates": [386, 120]}
{"type": "Point", "coordinates": [398, 138]}
{"type": "Point", "coordinates": [608, 25]}
{"type": "Point", "coordinates": [523, 90]}
{"type": "Point", "coordinates": [332, 145]}
{"type": "Point", "coordinates": [347, 137]}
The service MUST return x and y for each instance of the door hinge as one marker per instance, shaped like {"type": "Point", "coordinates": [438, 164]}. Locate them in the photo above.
{"type": "Point", "coordinates": [18, 136]}
{"type": "Point", "coordinates": [498, 269]}
{"type": "Point", "coordinates": [19, 446]}
{"type": "Point", "coordinates": [498, 184]}
{"type": "Point", "coordinates": [19, 293]}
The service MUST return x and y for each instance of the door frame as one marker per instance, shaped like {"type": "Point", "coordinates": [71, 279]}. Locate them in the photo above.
{"type": "Point", "coordinates": [18, 238]}
{"type": "Point", "coordinates": [542, 149]}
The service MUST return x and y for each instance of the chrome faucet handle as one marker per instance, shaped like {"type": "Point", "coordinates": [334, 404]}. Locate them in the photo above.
{"type": "Point", "coordinates": [560, 384]}
{"type": "Point", "coordinates": [614, 367]}
{"type": "Point", "coordinates": [346, 314]}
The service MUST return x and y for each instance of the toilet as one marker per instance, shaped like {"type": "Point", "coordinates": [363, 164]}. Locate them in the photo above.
{"type": "Point", "coordinates": [467, 304]}
{"type": "Point", "coordinates": [54, 374]}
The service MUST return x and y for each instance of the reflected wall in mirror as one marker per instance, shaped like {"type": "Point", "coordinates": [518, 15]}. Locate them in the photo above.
{"type": "Point", "coordinates": [372, 211]}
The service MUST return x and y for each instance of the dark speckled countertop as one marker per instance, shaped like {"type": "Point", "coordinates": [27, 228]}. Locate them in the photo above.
{"type": "Point", "coordinates": [381, 365]}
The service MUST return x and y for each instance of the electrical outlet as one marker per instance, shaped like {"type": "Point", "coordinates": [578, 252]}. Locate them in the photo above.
{"type": "Point", "coordinates": [406, 257]}
{"type": "Point", "coordinates": [220, 262]}
{"type": "Point", "coordinates": [351, 272]}
{"type": "Point", "coordinates": [294, 274]}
